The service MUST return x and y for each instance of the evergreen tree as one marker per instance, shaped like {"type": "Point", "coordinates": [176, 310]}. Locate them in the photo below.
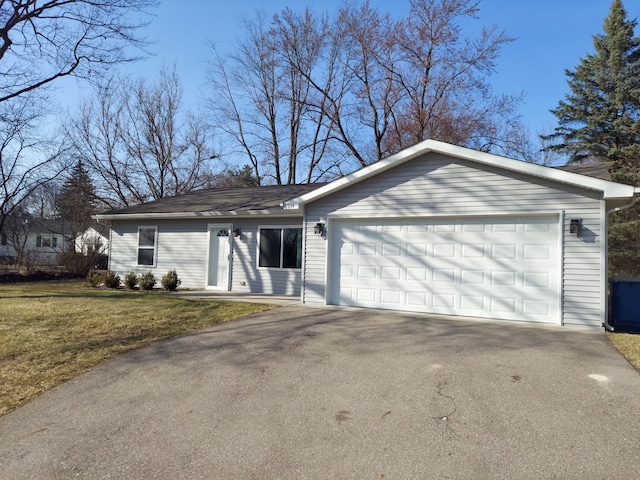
{"type": "Point", "coordinates": [76, 201]}
{"type": "Point", "coordinates": [599, 118]}
{"type": "Point", "coordinates": [624, 226]}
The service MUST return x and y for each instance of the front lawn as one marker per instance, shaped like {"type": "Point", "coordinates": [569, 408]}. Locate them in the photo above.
{"type": "Point", "coordinates": [51, 332]}
{"type": "Point", "coordinates": [628, 345]}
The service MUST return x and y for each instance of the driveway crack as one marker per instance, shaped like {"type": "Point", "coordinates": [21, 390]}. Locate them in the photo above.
{"type": "Point", "coordinates": [453, 408]}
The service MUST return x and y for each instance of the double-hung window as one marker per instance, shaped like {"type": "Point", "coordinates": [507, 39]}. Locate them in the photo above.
{"type": "Point", "coordinates": [147, 242]}
{"type": "Point", "coordinates": [46, 241]}
{"type": "Point", "coordinates": [280, 247]}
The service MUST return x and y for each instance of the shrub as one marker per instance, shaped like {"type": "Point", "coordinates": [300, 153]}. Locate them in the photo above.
{"type": "Point", "coordinates": [170, 281]}
{"type": "Point", "coordinates": [131, 280]}
{"type": "Point", "coordinates": [73, 262]}
{"type": "Point", "coordinates": [95, 279]}
{"type": "Point", "coordinates": [111, 280]}
{"type": "Point", "coordinates": [147, 281]}
{"type": "Point", "coordinates": [79, 264]}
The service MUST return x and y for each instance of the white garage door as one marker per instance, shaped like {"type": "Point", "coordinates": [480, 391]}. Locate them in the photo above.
{"type": "Point", "coordinates": [505, 268]}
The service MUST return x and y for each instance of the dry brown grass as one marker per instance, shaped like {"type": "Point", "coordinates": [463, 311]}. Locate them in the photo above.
{"type": "Point", "coordinates": [51, 332]}
{"type": "Point", "coordinates": [628, 345]}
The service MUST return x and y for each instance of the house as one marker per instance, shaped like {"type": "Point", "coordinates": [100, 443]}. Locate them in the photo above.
{"type": "Point", "coordinates": [35, 241]}
{"type": "Point", "coordinates": [434, 228]}
{"type": "Point", "coordinates": [94, 240]}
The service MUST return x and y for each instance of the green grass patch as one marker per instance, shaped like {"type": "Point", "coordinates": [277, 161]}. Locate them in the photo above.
{"type": "Point", "coordinates": [628, 345]}
{"type": "Point", "coordinates": [51, 332]}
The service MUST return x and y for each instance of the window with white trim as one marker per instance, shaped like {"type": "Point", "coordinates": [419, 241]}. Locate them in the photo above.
{"type": "Point", "coordinates": [280, 247]}
{"type": "Point", "coordinates": [147, 242]}
{"type": "Point", "coordinates": [46, 241]}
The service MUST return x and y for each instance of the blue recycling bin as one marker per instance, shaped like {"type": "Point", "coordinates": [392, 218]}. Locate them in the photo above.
{"type": "Point", "coordinates": [625, 305]}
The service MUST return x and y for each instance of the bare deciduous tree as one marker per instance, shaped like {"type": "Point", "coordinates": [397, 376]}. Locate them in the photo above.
{"type": "Point", "coordinates": [139, 144]}
{"type": "Point", "coordinates": [326, 95]}
{"type": "Point", "coordinates": [26, 160]}
{"type": "Point", "coordinates": [41, 42]}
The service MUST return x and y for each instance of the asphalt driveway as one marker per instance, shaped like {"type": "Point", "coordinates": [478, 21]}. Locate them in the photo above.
{"type": "Point", "coordinates": [302, 393]}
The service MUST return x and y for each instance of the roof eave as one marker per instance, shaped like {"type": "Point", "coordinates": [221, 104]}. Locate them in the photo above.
{"type": "Point", "coordinates": [191, 215]}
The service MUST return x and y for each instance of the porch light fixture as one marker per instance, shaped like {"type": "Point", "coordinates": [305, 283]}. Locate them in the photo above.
{"type": "Point", "coordinates": [575, 225]}
{"type": "Point", "coordinates": [236, 232]}
{"type": "Point", "coordinates": [318, 229]}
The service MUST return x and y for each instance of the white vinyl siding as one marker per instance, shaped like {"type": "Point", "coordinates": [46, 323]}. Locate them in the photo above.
{"type": "Point", "coordinates": [183, 244]}
{"type": "Point", "coordinates": [435, 186]}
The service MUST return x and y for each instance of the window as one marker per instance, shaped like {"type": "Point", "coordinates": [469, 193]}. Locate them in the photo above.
{"type": "Point", "coordinates": [46, 241]}
{"type": "Point", "coordinates": [147, 245]}
{"type": "Point", "coordinates": [3, 239]}
{"type": "Point", "coordinates": [280, 247]}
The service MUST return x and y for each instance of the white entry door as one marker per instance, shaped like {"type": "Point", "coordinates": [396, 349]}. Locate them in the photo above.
{"type": "Point", "coordinates": [219, 256]}
{"type": "Point", "coordinates": [505, 268]}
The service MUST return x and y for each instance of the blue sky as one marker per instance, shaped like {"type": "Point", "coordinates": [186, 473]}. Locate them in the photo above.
{"type": "Point", "coordinates": [551, 36]}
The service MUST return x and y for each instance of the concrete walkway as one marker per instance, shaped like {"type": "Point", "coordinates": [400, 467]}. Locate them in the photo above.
{"type": "Point", "coordinates": [241, 297]}
{"type": "Point", "coordinates": [304, 393]}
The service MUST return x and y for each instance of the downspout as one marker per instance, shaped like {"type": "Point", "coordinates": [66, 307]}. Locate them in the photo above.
{"type": "Point", "coordinates": [635, 200]}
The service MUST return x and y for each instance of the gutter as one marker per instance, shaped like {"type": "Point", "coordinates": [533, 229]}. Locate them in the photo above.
{"type": "Point", "coordinates": [607, 326]}
{"type": "Point", "coordinates": [192, 215]}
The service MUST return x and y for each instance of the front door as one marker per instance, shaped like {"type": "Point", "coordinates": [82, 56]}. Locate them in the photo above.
{"type": "Point", "coordinates": [219, 256]}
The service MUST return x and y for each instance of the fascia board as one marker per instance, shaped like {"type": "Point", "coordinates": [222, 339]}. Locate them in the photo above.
{"type": "Point", "coordinates": [608, 188]}
{"type": "Point", "coordinates": [192, 215]}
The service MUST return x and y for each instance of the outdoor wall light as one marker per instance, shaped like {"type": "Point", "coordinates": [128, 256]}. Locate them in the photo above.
{"type": "Point", "coordinates": [236, 232]}
{"type": "Point", "coordinates": [318, 229]}
{"type": "Point", "coordinates": [575, 225]}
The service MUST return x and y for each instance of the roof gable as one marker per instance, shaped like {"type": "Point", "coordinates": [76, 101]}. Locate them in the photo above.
{"type": "Point", "coordinates": [610, 190]}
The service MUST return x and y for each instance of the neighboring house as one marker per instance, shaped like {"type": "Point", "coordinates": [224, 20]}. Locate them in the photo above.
{"type": "Point", "coordinates": [435, 228]}
{"type": "Point", "coordinates": [37, 240]}
{"type": "Point", "coordinates": [591, 169]}
{"type": "Point", "coordinates": [94, 240]}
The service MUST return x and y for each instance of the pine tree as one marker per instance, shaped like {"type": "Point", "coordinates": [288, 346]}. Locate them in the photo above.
{"type": "Point", "coordinates": [76, 201]}
{"type": "Point", "coordinates": [624, 226]}
{"type": "Point", "coordinates": [599, 118]}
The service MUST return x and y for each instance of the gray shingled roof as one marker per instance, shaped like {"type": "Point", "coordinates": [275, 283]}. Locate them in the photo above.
{"type": "Point", "coordinates": [222, 200]}
{"type": "Point", "coordinates": [596, 170]}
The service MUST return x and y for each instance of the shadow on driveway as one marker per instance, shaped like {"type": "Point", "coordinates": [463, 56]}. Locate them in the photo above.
{"type": "Point", "coordinates": [298, 392]}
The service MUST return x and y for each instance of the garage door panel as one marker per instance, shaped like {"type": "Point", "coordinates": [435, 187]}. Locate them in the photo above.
{"type": "Point", "coordinates": [391, 297]}
{"type": "Point", "coordinates": [472, 303]}
{"type": "Point", "coordinates": [475, 267]}
{"type": "Point", "coordinates": [472, 277]}
{"type": "Point", "coordinates": [507, 251]}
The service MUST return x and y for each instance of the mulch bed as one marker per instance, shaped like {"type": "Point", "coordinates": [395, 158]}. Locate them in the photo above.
{"type": "Point", "coordinates": [13, 277]}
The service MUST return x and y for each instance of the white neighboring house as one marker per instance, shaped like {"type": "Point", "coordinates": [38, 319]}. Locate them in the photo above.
{"type": "Point", "coordinates": [94, 240]}
{"type": "Point", "coordinates": [36, 241]}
